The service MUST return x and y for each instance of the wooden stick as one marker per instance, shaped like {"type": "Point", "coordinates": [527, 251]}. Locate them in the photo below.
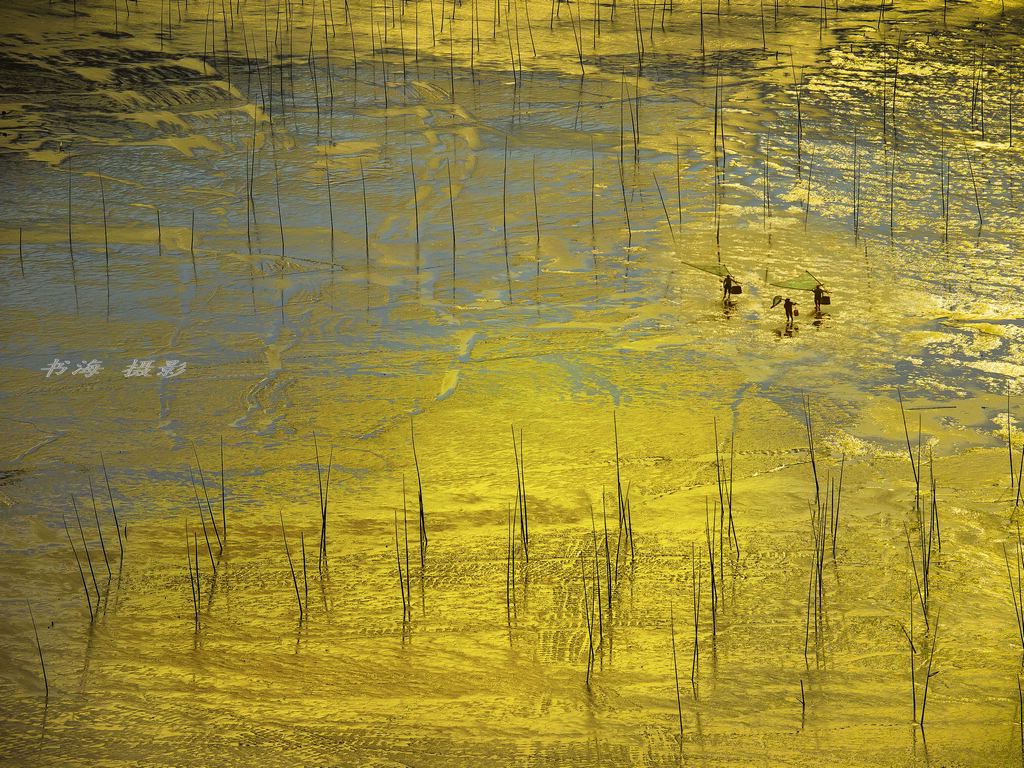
{"type": "Point", "coordinates": [305, 581]}
{"type": "Point", "coordinates": [974, 183]}
{"type": "Point", "coordinates": [929, 674]}
{"type": "Point", "coordinates": [330, 198]}
{"type": "Point", "coordinates": [405, 528]}
{"type": "Point", "coordinates": [206, 494]}
{"type": "Point", "coordinates": [202, 519]}
{"type": "Point", "coordinates": [451, 210]}
{"type": "Point", "coordinates": [401, 578]}
{"type": "Point", "coordinates": [39, 647]}
{"type": "Point", "coordinates": [99, 528]}
{"type": "Point", "coordinates": [366, 218]}
{"type": "Point", "coordinates": [291, 566]}
{"type": "Point", "coordinates": [192, 245]}
{"type": "Point", "coordinates": [668, 219]}
{"type": "Point", "coordinates": [415, 196]}
{"type": "Point", "coordinates": [675, 673]}
{"type": "Point", "coordinates": [88, 598]}
{"type": "Point", "coordinates": [106, 239]}
{"type": "Point", "coordinates": [191, 576]}
{"type": "Point", "coordinates": [113, 510]}
{"type": "Point", "coordinates": [536, 209]}
{"type": "Point", "coordinates": [504, 220]}
{"type": "Point", "coordinates": [695, 586]}
{"type": "Point", "coordinates": [71, 246]}
{"type": "Point", "coordinates": [223, 497]}
{"type": "Point", "coordinates": [419, 491]}
{"type": "Point", "coordinates": [85, 546]}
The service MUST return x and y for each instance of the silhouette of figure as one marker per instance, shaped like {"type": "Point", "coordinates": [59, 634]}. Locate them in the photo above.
{"type": "Point", "coordinates": [818, 293]}
{"type": "Point", "coordinates": [727, 284]}
{"type": "Point", "coordinates": [788, 305]}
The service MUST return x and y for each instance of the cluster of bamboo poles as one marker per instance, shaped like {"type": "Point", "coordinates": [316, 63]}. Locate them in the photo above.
{"type": "Point", "coordinates": [599, 570]}
{"type": "Point", "coordinates": [716, 526]}
{"type": "Point", "coordinates": [719, 151]}
{"type": "Point", "coordinates": [598, 611]}
{"type": "Point", "coordinates": [383, 19]}
{"type": "Point", "coordinates": [97, 593]}
{"type": "Point", "coordinates": [719, 534]}
{"type": "Point", "coordinates": [1013, 573]}
{"type": "Point", "coordinates": [405, 576]}
{"type": "Point", "coordinates": [324, 491]}
{"type": "Point", "coordinates": [824, 520]}
{"type": "Point", "coordinates": [279, 34]}
{"type": "Point", "coordinates": [929, 544]}
{"type": "Point", "coordinates": [205, 510]}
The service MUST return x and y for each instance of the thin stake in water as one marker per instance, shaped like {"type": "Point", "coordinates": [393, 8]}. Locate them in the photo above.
{"type": "Point", "coordinates": [39, 647]}
{"type": "Point", "coordinates": [419, 493]}
{"type": "Point", "coordinates": [88, 598]}
{"type": "Point", "coordinates": [675, 674]}
{"type": "Point", "coordinates": [113, 510]}
{"type": "Point", "coordinates": [291, 566]}
{"type": "Point", "coordinates": [99, 528]}
{"type": "Point", "coordinates": [88, 558]}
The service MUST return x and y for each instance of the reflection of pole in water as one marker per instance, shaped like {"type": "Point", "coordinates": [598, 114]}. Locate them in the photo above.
{"type": "Point", "coordinates": [451, 59]}
{"type": "Point", "coordinates": [764, 39]}
{"type": "Point", "coordinates": [415, 199]}
{"type": "Point", "coordinates": [679, 188]}
{"type": "Point", "coordinates": [807, 201]}
{"type": "Point", "coordinates": [800, 119]}
{"type": "Point", "coordinates": [106, 239]}
{"type": "Point", "coordinates": [192, 245]}
{"type": "Point", "coordinates": [451, 211]}
{"type": "Point", "coordinates": [330, 199]}
{"type": "Point", "coordinates": [856, 186]}
{"type": "Point", "coordinates": [536, 209]}
{"type": "Point", "coordinates": [767, 183]}
{"type": "Point", "coordinates": [700, 13]}
{"type": "Point", "coordinates": [71, 246]}
{"type": "Point", "coordinates": [593, 185]}
{"type": "Point", "coordinates": [892, 193]}
{"type": "Point", "coordinates": [625, 208]}
{"type": "Point", "coordinates": [366, 220]}
{"type": "Point", "coordinates": [504, 217]}
{"type": "Point", "coordinates": [622, 134]}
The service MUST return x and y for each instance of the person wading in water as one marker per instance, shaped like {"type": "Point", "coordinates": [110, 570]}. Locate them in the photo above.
{"type": "Point", "coordinates": [789, 305]}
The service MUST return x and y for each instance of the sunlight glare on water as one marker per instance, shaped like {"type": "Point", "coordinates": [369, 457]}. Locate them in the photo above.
{"type": "Point", "coordinates": [379, 236]}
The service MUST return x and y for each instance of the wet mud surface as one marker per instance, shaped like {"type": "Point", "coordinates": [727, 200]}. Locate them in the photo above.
{"type": "Point", "coordinates": [368, 222]}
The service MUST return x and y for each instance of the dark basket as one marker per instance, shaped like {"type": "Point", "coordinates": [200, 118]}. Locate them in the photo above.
{"type": "Point", "coordinates": [734, 288]}
{"type": "Point", "coordinates": [825, 299]}
{"type": "Point", "coordinates": [796, 312]}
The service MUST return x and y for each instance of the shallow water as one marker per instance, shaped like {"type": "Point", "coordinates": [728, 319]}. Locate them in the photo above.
{"type": "Point", "coordinates": [566, 298]}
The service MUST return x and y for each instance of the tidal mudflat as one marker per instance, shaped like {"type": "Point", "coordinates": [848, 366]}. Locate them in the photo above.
{"type": "Point", "coordinates": [369, 399]}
